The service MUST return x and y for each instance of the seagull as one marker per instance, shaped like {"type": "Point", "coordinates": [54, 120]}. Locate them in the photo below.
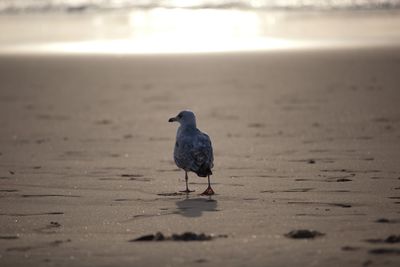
{"type": "Point", "coordinates": [193, 150]}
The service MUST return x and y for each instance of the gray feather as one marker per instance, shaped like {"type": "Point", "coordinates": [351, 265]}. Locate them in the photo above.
{"type": "Point", "coordinates": [193, 151]}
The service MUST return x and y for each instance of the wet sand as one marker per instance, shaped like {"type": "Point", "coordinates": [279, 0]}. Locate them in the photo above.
{"type": "Point", "coordinates": [303, 140]}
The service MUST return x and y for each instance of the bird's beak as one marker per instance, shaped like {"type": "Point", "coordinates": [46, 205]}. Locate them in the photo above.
{"type": "Point", "coordinates": [172, 119]}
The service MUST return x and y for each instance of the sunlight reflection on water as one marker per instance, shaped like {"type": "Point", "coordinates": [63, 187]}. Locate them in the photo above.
{"type": "Point", "coordinates": [170, 31]}
{"type": "Point", "coordinates": [163, 30]}
{"type": "Point", "coordinates": [156, 45]}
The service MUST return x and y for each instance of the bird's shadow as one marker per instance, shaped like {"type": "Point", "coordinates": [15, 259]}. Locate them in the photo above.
{"type": "Point", "coordinates": [194, 207]}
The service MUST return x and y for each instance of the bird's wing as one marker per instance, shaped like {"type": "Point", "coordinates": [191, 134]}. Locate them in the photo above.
{"type": "Point", "coordinates": [182, 155]}
{"type": "Point", "coordinates": [193, 152]}
{"type": "Point", "coordinates": [202, 152]}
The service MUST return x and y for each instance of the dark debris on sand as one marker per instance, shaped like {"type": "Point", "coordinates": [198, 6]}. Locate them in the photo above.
{"type": "Point", "coordinates": [384, 220]}
{"type": "Point", "coordinates": [187, 236]}
{"type": "Point", "coordinates": [350, 248]}
{"type": "Point", "coordinates": [393, 239]}
{"type": "Point", "coordinates": [8, 190]}
{"type": "Point", "coordinates": [132, 175]}
{"type": "Point", "coordinates": [389, 240]}
{"type": "Point", "coordinates": [55, 224]}
{"type": "Point", "coordinates": [56, 243]}
{"type": "Point", "coordinates": [8, 237]}
{"type": "Point", "coordinates": [383, 251]}
{"type": "Point", "coordinates": [303, 234]}
{"type": "Point", "coordinates": [341, 180]}
{"type": "Point", "coordinates": [103, 122]}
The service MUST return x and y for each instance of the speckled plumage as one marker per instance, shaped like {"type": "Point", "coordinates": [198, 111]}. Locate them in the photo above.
{"type": "Point", "coordinates": [193, 150]}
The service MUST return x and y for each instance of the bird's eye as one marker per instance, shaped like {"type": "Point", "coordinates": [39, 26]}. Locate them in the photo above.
{"type": "Point", "coordinates": [179, 115]}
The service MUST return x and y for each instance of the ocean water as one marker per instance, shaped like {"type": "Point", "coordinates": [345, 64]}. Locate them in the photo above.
{"type": "Point", "coordinates": [76, 6]}
{"type": "Point", "coordinates": [194, 26]}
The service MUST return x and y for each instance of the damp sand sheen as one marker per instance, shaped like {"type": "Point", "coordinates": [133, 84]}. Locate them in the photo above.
{"type": "Point", "coordinates": [306, 158]}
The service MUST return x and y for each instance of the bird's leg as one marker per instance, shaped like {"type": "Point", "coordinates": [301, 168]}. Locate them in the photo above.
{"type": "Point", "coordinates": [187, 187]}
{"type": "Point", "coordinates": [209, 191]}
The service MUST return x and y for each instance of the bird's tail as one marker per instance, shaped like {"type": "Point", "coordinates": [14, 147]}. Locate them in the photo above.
{"type": "Point", "coordinates": [204, 171]}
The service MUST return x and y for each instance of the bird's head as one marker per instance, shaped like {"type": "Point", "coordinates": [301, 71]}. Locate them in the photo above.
{"type": "Point", "coordinates": [185, 118]}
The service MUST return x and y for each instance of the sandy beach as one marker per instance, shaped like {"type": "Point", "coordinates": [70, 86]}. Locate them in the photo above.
{"type": "Point", "coordinates": [302, 140]}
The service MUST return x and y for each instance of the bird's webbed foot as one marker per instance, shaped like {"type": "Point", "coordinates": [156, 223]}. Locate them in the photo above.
{"type": "Point", "coordinates": [208, 192]}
